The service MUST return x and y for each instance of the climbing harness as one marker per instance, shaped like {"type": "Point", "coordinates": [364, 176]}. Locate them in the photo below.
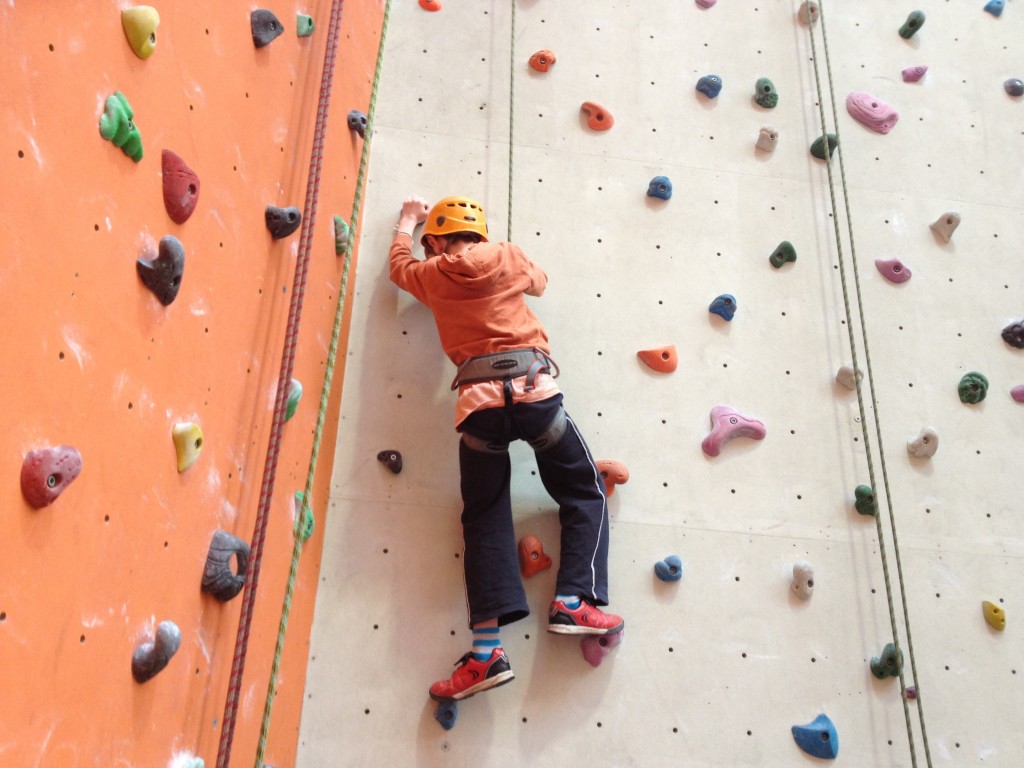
{"type": "Point", "coordinates": [509, 364]}
{"type": "Point", "coordinates": [860, 394]}
{"type": "Point", "coordinates": [547, 439]}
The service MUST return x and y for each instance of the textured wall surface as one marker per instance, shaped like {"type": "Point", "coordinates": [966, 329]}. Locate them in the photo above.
{"type": "Point", "coordinates": [91, 359]}
{"type": "Point", "coordinates": [715, 669]}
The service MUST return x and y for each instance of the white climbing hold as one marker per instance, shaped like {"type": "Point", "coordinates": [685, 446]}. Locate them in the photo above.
{"type": "Point", "coordinates": [803, 580]}
{"type": "Point", "coordinates": [946, 225]}
{"type": "Point", "coordinates": [847, 378]}
{"type": "Point", "coordinates": [924, 445]}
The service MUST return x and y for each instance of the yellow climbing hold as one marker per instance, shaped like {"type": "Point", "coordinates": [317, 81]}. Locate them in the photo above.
{"type": "Point", "coordinates": [140, 25]}
{"type": "Point", "coordinates": [994, 615]}
{"type": "Point", "coordinates": [188, 442]}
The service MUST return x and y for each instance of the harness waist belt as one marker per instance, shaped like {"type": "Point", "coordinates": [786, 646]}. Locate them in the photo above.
{"type": "Point", "coordinates": [505, 365]}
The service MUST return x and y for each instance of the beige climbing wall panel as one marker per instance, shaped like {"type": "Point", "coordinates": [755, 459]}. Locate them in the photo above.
{"type": "Point", "coordinates": [716, 668]}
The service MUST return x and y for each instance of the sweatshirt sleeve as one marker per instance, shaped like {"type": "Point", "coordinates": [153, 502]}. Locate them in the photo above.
{"type": "Point", "coordinates": [406, 271]}
{"type": "Point", "coordinates": [538, 279]}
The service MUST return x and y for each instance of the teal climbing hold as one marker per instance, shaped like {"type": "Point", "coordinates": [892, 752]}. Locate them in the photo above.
{"type": "Point", "coordinates": [304, 25]}
{"type": "Point", "coordinates": [117, 127]}
{"type": "Point", "coordinates": [818, 738]}
{"type": "Point", "coordinates": [865, 501]}
{"type": "Point", "coordinates": [889, 664]}
{"type": "Point", "coordinates": [818, 147]}
{"type": "Point", "coordinates": [783, 254]}
{"type": "Point", "coordinates": [972, 388]}
{"type": "Point", "coordinates": [913, 23]}
{"type": "Point", "coordinates": [765, 93]}
{"type": "Point", "coordinates": [342, 236]}
{"type": "Point", "coordinates": [304, 522]}
{"type": "Point", "coordinates": [294, 396]}
{"type": "Point", "coordinates": [447, 713]}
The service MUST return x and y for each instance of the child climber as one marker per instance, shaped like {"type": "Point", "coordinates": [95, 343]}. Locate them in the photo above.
{"type": "Point", "coordinates": [507, 391]}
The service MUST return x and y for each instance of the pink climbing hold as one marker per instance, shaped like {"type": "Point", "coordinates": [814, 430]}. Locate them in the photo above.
{"type": "Point", "coordinates": [706, 3]}
{"type": "Point", "coordinates": [46, 472]}
{"type": "Point", "coordinates": [893, 270]}
{"type": "Point", "coordinates": [872, 112]}
{"type": "Point", "coordinates": [1017, 393]}
{"type": "Point", "coordinates": [596, 647]}
{"type": "Point", "coordinates": [913, 74]}
{"type": "Point", "coordinates": [727, 423]}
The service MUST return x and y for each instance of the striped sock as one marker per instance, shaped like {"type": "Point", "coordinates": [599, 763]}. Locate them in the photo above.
{"type": "Point", "coordinates": [485, 640]}
{"type": "Point", "coordinates": [572, 602]}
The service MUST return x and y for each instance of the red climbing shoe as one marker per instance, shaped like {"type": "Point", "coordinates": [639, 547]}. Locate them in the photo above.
{"type": "Point", "coordinates": [472, 677]}
{"type": "Point", "coordinates": [584, 620]}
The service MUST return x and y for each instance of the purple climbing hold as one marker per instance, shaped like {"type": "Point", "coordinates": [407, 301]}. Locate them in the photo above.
{"type": "Point", "coordinates": [1017, 393]}
{"type": "Point", "coordinates": [913, 74]}
{"type": "Point", "coordinates": [391, 459]}
{"type": "Point", "coordinates": [893, 270]}
{"type": "Point", "coordinates": [163, 274]}
{"type": "Point", "coordinates": [872, 112]}
{"type": "Point", "coordinates": [706, 3]}
{"type": "Point", "coordinates": [1013, 334]}
{"type": "Point", "coordinates": [596, 647]}
{"type": "Point", "coordinates": [46, 472]}
{"type": "Point", "coordinates": [727, 423]}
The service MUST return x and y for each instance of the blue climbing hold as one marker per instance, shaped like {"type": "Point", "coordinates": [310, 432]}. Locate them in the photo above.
{"type": "Point", "coordinates": [447, 713]}
{"type": "Point", "coordinates": [995, 7]}
{"type": "Point", "coordinates": [724, 306]}
{"type": "Point", "coordinates": [710, 85]}
{"type": "Point", "coordinates": [660, 186]}
{"type": "Point", "coordinates": [669, 569]}
{"type": "Point", "coordinates": [818, 738]}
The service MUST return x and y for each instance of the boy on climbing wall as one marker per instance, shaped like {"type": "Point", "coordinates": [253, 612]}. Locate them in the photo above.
{"type": "Point", "coordinates": [507, 391]}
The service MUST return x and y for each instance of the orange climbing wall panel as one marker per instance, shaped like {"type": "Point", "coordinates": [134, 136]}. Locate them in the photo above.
{"type": "Point", "coordinates": [91, 359]}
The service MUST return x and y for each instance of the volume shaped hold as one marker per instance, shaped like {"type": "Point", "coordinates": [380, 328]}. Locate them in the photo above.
{"type": "Point", "coordinates": [180, 186]}
{"type": "Point", "coordinates": [163, 274]}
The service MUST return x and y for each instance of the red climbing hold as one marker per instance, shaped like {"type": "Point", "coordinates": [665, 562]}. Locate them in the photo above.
{"type": "Point", "coordinates": [532, 558]}
{"type": "Point", "coordinates": [542, 61]}
{"type": "Point", "coordinates": [45, 473]}
{"type": "Point", "coordinates": [613, 473]}
{"type": "Point", "coordinates": [661, 359]}
{"type": "Point", "coordinates": [598, 118]}
{"type": "Point", "coordinates": [181, 187]}
{"type": "Point", "coordinates": [430, 5]}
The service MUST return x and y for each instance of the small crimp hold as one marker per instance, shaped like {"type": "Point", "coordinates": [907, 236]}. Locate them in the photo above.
{"type": "Point", "coordinates": [219, 579]}
{"type": "Point", "coordinates": [613, 473]}
{"type": "Point", "coordinates": [117, 126]}
{"type": "Point", "coordinates": [783, 254]}
{"type": "Point", "coordinates": [864, 501]}
{"type": "Point", "coordinates": [163, 274]}
{"type": "Point", "coordinates": [824, 147]}
{"type": "Point", "coordinates": [660, 187]}
{"type": "Point", "coordinates": [140, 25]}
{"type": "Point", "coordinates": [1017, 393]}
{"type": "Point", "coordinates": [724, 306]}
{"type": "Point", "coordinates": [188, 443]}
{"type": "Point", "coordinates": [912, 692]}
{"type": "Point", "coordinates": [282, 221]}
{"type": "Point", "coordinates": [889, 664]}
{"type": "Point", "coordinates": [47, 472]}
{"type": "Point", "coordinates": [847, 377]}
{"type": "Point", "coordinates": [994, 615]}
{"type": "Point", "coordinates": [913, 23]}
{"type": "Point", "coordinates": [710, 85]}
{"type": "Point", "coordinates": [706, 3]}
{"type": "Point", "coordinates": [818, 738]}
{"type": "Point", "coordinates": [294, 396]}
{"type": "Point", "coordinates": [669, 569]}
{"type": "Point", "coordinates": [342, 236]}
{"type": "Point", "coordinates": [871, 112]}
{"type": "Point", "coordinates": [391, 459]}
{"type": "Point", "coordinates": [925, 444]}
{"type": "Point", "coordinates": [803, 580]}
{"type": "Point", "coordinates": [447, 711]}
{"type": "Point", "coordinates": [893, 270]}
{"type": "Point", "coordinates": [304, 24]}
{"type": "Point", "coordinates": [305, 523]}
{"type": "Point", "coordinates": [265, 27]}
{"type": "Point", "coordinates": [181, 187]}
{"type": "Point", "coordinates": [596, 647]}
{"type": "Point", "coordinates": [357, 122]}
{"type": "Point", "coordinates": [1014, 86]}
{"type": "Point", "coordinates": [727, 423]}
{"type": "Point", "coordinates": [809, 12]}
{"type": "Point", "coordinates": [661, 359]}
{"type": "Point", "coordinates": [946, 225]}
{"type": "Point", "coordinates": [995, 7]}
{"type": "Point", "coordinates": [543, 60]}
{"type": "Point", "coordinates": [430, 5]}
{"type": "Point", "coordinates": [767, 139]}
{"type": "Point", "coordinates": [150, 658]}
{"type": "Point", "coordinates": [972, 388]}
{"type": "Point", "coordinates": [532, 558]}
{"type": "Point", "coordinates": [598, 118]}
{"type": "Point", "coordinates": [913, 74]}
{"type": "Point", "coordinates": [765, 93]}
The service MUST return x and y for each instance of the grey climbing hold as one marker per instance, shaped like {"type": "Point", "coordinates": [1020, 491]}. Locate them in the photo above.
{"type": "Point", "coordinates": [924, 445]}
{"type": "Point", "coordinates": [864, 501]}
{"type": "Point", "coordinates": [783, 254]}
{"type": "Point", "coordinates": [660, 187]}
{"type": "Point", "coordinates": [282, 221]}
{"type": "Point", "coordinates": [765, 93]}
{"type": "Point", "coordinates": [1013, 334]}
{"type": "Point", "coordinates": [767, 139]}
{"type": "Point", "coordinates": [710, 85]}
{"type": "Point", "coordinates": [803, 580]}
{"type": "Point", "coordinates": [1014, 86]}
{"type": "Point", "coordinates": [163, 274]}
{"type": "Point", "coordinates": [972, 388]}
{"type": "Point", "coordinates": [889, 664]}
{"type": "Point", "coordinates": [913, 23]}
{"type": "Point", "coordinates": [818, 738]}
{"type": "Point", "coordinates": [447, 713]}
{"type": "Point", "coordinates": [219, 579]}
{"type": "Point", "coordinates": [669, 569]}
{"type": "Point", "coordinates": [846, 376]}
{"type": "Point", "coordinates": [818, 147]}
{"type": "Point", "coordinates": [304, 25]}
{"type": "Point", "coordinates": [150, 658]}
{"type": "Point", "coordinates": [946, 225]}
{"type": "Point", "coordinates": [357, 122]}
{"type": "Point", "coordinates": [724, 306]}
{"type": "Point", "coordinates": [265, 27]}
{"type": "Point", "coordinates": [995, 7]}
{"type": "Point", "coordinates": [391, 459]}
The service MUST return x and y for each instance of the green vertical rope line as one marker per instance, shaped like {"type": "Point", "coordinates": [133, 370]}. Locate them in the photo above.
{"type": "Point", "coordinates": [325, 396]}
{"type": "Point", "coordinates": [860, 397]}
{"type": "Point", "coordinates": [511, 116]}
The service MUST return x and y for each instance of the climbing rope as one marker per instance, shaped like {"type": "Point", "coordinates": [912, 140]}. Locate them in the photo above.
{"type": "Point", "coordinates": [325, 396]}
{"type": "Point", "coordinates": [871, 386]}
{"type": "Point", "coordinates": [511, 117]}
{"type": "Point", "coordinates": [281, 400]}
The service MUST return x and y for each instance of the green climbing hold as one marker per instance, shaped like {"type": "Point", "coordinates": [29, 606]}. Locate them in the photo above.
{"type": "Point", "coordinates": [973, 388]}
{"type": "Point", "coordinates": [294, 395]}
{"type": "Point", "coordinates": [304, 25]}
{"type": "Point", "coordinates": [116, 126]}
{"type": "Point", "coordinates": [865, 501]}
{"type": "Point", "coordinates": [783, 254]}
{"type": "Point", "coordinates": [342, 235]}
{"type": "Point", "coordinates": [304, 522]}
{"type": "Point", "coordinates": [889, 664]}
{"type": "Point", "coordinates": [913, 23]}
{"type": "Point", "coordinates": [818, 147]}
{"type": "Point", "coordinates": [765, 93]}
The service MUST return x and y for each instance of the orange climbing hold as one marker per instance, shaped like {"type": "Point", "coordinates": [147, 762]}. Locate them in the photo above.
{"type": "Point", "coordinates": [430, 5]}
{"type": "Point", "coordinates": [614, 473]}
{"type": "Point", "coordinates": [661, 359]}
{"type": "Point", "coordinates": [598, 118]}
{"type": "Point", "coordinates": [532, 558]}
{"type": "Point", "coordinates": [542, 60]}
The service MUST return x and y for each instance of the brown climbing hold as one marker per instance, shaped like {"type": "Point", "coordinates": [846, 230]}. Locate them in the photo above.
{"type": "Point", "coordinates": [661, 359]}
{"type": "Point", "coordinates": [542, 60]}
{"type": "Point", "coordinates": [598, 118]}
{"type": "Point", "coordinates": [181, 187]}
{"type": "Point", "coordinates": [613, 473]}
{"type": "Point", "coordinates": [532, 558]}
{"type": "Point", "coordinates": [430, 5]}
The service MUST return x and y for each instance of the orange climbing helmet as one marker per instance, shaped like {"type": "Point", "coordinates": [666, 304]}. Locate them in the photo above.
{"type": "Point", "coordinates": [455, 214]}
